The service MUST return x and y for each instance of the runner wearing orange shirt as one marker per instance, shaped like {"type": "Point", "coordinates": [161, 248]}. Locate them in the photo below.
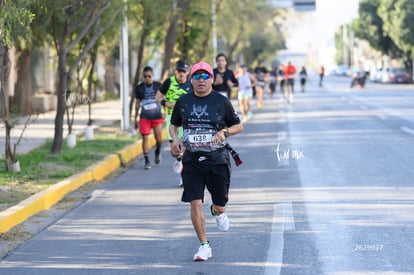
{"type": "Point", "coordinates": [290, 71]}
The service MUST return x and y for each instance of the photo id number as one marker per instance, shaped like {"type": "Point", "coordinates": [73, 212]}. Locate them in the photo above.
{"type": "Point", "coordinates": [368, 247]}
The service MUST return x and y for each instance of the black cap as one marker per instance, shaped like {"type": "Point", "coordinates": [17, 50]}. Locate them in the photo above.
{"type": "Point", "coordinates": [181, 65]}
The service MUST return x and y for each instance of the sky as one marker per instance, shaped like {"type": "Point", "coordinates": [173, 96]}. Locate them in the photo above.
{"type": "Point", "coordinates": [315, 30]}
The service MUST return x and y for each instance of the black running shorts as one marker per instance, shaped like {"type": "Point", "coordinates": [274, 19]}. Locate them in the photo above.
{"type": "Point", "coordinates": [197, 176]}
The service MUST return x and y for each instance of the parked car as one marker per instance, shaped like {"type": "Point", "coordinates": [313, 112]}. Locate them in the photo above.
{"type": "Point", "coordinates": [376, 75]}
{"type": "Point", "coordinates": [343, 70]}
{"type": "Point", "coordinates": [395, 75]}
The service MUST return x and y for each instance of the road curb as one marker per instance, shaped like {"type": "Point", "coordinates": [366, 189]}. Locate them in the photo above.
{"type": "Point", "coordinates": [130, 152]}
{"type": "Point", "coordinates": [105, 167]}
{"type": "Point", "coordinates": [45, 199]}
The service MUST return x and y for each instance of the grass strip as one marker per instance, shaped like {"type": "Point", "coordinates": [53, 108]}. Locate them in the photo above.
{"type": "Point", "coordinates": [40, 169]}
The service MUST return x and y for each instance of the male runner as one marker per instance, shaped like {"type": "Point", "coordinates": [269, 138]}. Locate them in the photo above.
{"type": "Point", "coordinates": [171, 89]}
{"type": "Point", "coordinates": [150, 115]}
{"type": "Point", "coordinates": [208, 119]}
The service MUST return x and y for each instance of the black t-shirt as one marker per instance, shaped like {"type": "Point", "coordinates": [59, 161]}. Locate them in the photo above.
{"type": "Point", "coordinates": [273, 72]}
{"type": "Point", "coordinates": [227, 75]}
{"type": "Point", "coordinates": [150, 109]}
{"type": "Point", "coordinates": [201, 118]}
{"type": "Point", "coordinates": [260, 73]}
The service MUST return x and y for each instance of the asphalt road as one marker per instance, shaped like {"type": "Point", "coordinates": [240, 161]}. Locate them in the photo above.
{"type": "Point", "coordinates": [326, 187]}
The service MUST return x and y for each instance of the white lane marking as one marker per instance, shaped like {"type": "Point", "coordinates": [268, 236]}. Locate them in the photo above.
{"type": "Point", "coordinates": [407, 130]}
{"type": "Point", "coordinates": [282, 136]}
{"type": "Point", "coordinates": [288, 219]}
{"type": "Point", "coordinates": [282, 221]}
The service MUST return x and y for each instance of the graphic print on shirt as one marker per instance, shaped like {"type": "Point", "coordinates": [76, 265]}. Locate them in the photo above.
{"type": "Point", "coordinates": [198, 111]}
{"type": "Point", "coordinates": [150, 109]}
{"type": "Point", "coordinates": [197, 137]}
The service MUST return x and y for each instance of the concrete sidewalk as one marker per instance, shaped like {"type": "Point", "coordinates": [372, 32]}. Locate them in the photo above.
{"type": "Point", "coordinates": [42, 129]}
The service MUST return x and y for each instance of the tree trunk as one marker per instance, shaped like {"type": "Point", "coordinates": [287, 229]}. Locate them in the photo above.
{"type": "Point", "coordinates": [169, 43]}
{"type": "Point", "coordinates": [23, 87]}
{"type": "Point", "coordinates": [10, 158]}
{"type": "Point", "coordinates": [143, 39]}
{"type": "Point", "coordinates": [90, 83]}
{"type": "Point", "coordinates": [186, 40]}
{"type": "Point", "coordinates": [61, 103]}
{"type": "Point", "coordinates": [171, 37]}
{"type": "Point", "coordinates": [5, 66]}
{"type": "Point", "coordinates": [4, 102]}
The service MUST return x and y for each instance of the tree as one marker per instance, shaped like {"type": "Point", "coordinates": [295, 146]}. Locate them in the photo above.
{"type": "Point", "coordinates": [148, 17]}
{"type": "Point", "coordinates": [36, 37]}
{"type": "Point", "coordinates": [194, 35]}
{"type": "Point", "coordinates": [15, 19]}
{"type": "Point", "coordinates": [369, 26]}
{"type": "Point", "coordinates": [253, 34]}
{"type": "Point", "coordinates": [177, 8]}
{"type": "Point", "coordinates": [398, 17]}
{"type": "Point", "coordinates": [69, 24]}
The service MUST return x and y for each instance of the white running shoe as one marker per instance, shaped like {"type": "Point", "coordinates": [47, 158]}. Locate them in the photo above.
{"type": "Point", "coordinates": [222, 221]}
{"type": "Point", "coordinates": [178, 166]}
{"type": "Point", "coordinates": [203, 253]}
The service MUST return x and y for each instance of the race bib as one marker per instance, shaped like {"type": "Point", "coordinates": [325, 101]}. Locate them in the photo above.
{"type": "Point", "coordinates": [204, 139]}
{"type": "Point", "coordinates": [198, 140]}
{"type": "Point", "coordinates": [150, 106]}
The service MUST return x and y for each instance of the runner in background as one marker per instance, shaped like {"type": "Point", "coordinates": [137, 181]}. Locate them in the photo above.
{"type": "Point", "coordinates": [281, 78]}
{"type": "Point", "coordinates": [150, 115]}
{"type": "Point", "coordinates": [303, 76]}
{"type": "Point", "coordinates": [171, 89]}
{"type": "Point", "coordinates": [261, 75]}
{"type": "Point", "coordinates": [224, 78]}
{"type": "Point", "coordinates": [273, 78]}
{"type": "Point", "coordinates": [290, 71]}
{"type": "Point", "coordinates": [321, 72]}
{"type": "Point", "coordinates": [246, 84]}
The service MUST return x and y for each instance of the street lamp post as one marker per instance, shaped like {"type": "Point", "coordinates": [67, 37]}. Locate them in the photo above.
{"type": "Point", "coordinates": [124, 73]}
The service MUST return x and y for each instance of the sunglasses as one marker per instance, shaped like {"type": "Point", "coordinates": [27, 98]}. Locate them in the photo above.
{"type": "Point", "coordinates": [204, 76]}
{"type": "Point", "coordinates": [182, 71]}
{"type": "Point", "coordinates": [147, 76]}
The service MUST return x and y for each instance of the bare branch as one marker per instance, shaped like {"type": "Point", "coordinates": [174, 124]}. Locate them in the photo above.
{"type": "Point", "coordinates": [86, 17]}
{"type": "Point", "coordinates": [26, 125]}
{"type": "Point", "coordinates": [90, 24]}
{"type": "Point", "coordinates": [94, 38]}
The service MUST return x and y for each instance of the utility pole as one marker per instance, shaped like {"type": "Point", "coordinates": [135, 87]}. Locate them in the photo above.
{"type": "Point", "coordinates": [124, 72]}
{"type": "Point", "coordinates": [345, 45]}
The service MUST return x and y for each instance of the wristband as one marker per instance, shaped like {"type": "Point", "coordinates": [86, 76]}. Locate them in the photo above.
{"type": "Point", "coordinates": [226, 133]}
{"type": "Point", "coordinates": [163, 102]}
